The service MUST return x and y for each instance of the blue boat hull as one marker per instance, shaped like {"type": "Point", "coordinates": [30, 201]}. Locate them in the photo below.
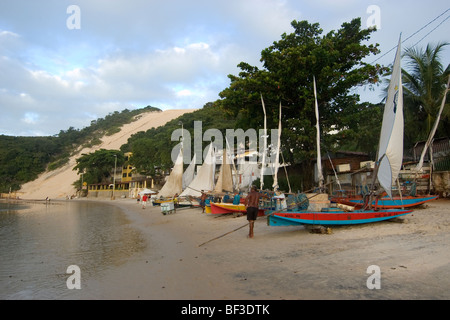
{"type": "Point", "coordinates": [387, 203]}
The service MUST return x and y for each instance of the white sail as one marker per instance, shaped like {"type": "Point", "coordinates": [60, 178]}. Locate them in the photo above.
{"type": "Point", "coordinates": [390, 149]}
{"type": "Point", "coordinates": [225, 179]}
{"type": "Point", "coordinates": [188, 175]}
{"type": "Point", "coordinates": [204, 180]}
{"type": "Point", "coordinates": [319, 157]}
{"type": "Point", "coordinates": [277, 156]}
{"type": "Point", "coordinates": [248, 171]}
{"type": "Point", "coordinates": [174, 183]}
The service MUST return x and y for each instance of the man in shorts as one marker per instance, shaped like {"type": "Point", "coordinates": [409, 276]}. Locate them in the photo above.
{"type": "Point", "coordinates": [252, 205]}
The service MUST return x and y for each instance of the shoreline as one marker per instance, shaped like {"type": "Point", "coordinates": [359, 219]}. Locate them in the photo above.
{"type": "Point", "coordinates": [280, 263]}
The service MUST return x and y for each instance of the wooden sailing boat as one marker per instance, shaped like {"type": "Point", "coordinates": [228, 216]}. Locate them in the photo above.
{"type": "Point", "coordinates": [174, 183]}
{"type": "Point", "coordinates": [225, 184]}
{"type": "Point", "coordinates": [388, 166]}
{"type": "Point", "coordinates": [401, 201]}
{"type": "Point", "coordinates": [227, 208]}
{"type": "Point", "coordinates": [204, 180]}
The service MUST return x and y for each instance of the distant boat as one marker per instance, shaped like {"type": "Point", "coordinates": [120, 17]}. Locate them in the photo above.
{"type": "Point", "coordinates": [390, 155]}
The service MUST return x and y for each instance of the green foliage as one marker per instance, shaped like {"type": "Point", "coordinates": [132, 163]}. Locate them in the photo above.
{"type": "Point", "coordinates": [97, 166]}
{"type": "Point", "coordinates": [152, 149]}
{"type": "Point", "coordinates": [424, 84]}
{"type": "Point", "coordinates": [335, 60]}
{"type": "Point", "coordinates": [58, 163]}
{"type": "Point", "coordinates": [22, 159]}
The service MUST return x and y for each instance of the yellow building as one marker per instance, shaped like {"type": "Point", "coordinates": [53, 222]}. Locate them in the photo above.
{"type": "Point", "coordinates": [127, 183]}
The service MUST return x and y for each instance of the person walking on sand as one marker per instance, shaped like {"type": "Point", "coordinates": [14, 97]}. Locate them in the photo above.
{"type": "Point", "coordinates": [144, 201]}
{"type": "Point", "coordinates": [203, 200]}
{"type": "Point", "coordinates": [252, 206]}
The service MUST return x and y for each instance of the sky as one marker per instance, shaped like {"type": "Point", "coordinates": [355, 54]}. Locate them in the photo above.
{"type": "Point", "coordinates": [66, 63]}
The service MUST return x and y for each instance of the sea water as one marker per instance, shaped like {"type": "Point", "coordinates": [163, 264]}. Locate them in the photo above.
{"type": "Point", "coordinates": [39, 241]}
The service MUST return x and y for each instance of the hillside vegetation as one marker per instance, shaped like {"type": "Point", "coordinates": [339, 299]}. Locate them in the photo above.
{"type": "Point", "coordinates": [22, 159]}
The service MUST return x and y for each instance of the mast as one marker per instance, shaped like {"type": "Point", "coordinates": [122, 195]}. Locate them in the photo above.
{"type": "Point", "coordinates": [263, 161]}
{"type": "Point", "coordinates": [433, 130]}
{"type": "Point", "coordinates": [230, 154]}
{"type": "Point", "coordinates": [277, 157]}
{"type": "Point", "coordinates": [319, 157]}
{"type": "Point", "coordinates": [390, 148]}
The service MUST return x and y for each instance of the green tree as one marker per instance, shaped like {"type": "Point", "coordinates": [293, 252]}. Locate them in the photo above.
{"type": "Point", "coordinates": [424, 85]}
{"type": "Point", "coordinates": [98, 166]}
{"type": "Point", "coordinates": [334, 59]}
{"type": "Point", "coordinates": [153, 149]}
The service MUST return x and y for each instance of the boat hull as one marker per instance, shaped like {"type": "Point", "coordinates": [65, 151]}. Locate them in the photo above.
{"type": "Point", "coordinates": [225, 208]}
{"type": "Point", "coordinates": [159, 202]}
{"type": "Point", "coordinates": [292, 218]}
{"type": "Point", "coordinates": [386, 202]}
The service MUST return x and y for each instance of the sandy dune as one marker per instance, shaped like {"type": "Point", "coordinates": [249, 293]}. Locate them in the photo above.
{"type": "Point", "coordinates": [58, 183]}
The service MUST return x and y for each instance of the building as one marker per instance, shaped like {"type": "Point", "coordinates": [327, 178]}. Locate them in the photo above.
{"type": "Point", "coordinates": [125, 183]}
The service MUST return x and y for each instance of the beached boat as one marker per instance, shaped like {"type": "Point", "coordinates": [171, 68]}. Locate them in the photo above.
{"type": "Point", "coordinates": [386, 202]}
{"type": "Point", "coordinates": [227, 208]}
{"type": "Point", "coordinates": [390, 156]}
{"type": "Point", "coordinates": [333, 216]}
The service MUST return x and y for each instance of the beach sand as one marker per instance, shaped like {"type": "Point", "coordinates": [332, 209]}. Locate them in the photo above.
{"type": "Point", "coordinates": [280, 262]}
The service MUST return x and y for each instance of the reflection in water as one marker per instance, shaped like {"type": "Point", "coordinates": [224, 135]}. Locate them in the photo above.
{"type": "Point", "coordinates": [39, 241]}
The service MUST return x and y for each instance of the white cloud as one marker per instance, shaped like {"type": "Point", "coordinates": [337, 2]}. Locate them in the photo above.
{"type": "Point", "coordinates": [170, 54]}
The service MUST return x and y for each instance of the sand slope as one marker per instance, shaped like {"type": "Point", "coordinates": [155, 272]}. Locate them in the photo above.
{"type": "Point", "coordinates": [58, 183]}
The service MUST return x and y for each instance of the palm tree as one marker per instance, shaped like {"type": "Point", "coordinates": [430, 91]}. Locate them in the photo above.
{"type": "Point", "coordinates": [424, 86]}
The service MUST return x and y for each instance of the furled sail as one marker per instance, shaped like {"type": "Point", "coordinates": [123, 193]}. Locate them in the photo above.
{"type": "Point", "coordinates": [173, 184]}
{"type": "Point", "coordinates": [319, 157]}
{"type": "Point", "coordinates": [390, 149]}
{"type": "Point", "coordinates": [189, 174]}
{"type": "Point", "coordinates": [275, 185]}
{"type": "Point", "coordinates": [204, 180]}
{"type": "Point", "coordinates": [263, 150]}
{"type": "Point", "coordinates": [225, 179]}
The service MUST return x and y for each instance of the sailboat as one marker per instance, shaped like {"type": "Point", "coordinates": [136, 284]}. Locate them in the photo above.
{"type": "Point", "coordinates": [225, 184]}
{"type": "Point", "coordinates": [240, 208]}
{"type": "Point", "coordinates": [176, 182]}
{"type": "Point", "coordinates": [387, 168]}
{"type": "Point", "coordinates": [401, 201]}
{"type": "Point", "coordinates": [204, 180]}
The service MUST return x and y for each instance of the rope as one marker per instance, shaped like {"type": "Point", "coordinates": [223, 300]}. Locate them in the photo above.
{"type": "Point", "coordinates": [223, 235]}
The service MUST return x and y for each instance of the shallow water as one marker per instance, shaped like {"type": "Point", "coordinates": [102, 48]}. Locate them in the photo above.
{"type": "Point", "coordinates": [39, 241]}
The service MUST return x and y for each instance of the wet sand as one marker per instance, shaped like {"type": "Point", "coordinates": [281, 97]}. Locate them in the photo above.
{"type": "Point", "coordinates": [280, 262]}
